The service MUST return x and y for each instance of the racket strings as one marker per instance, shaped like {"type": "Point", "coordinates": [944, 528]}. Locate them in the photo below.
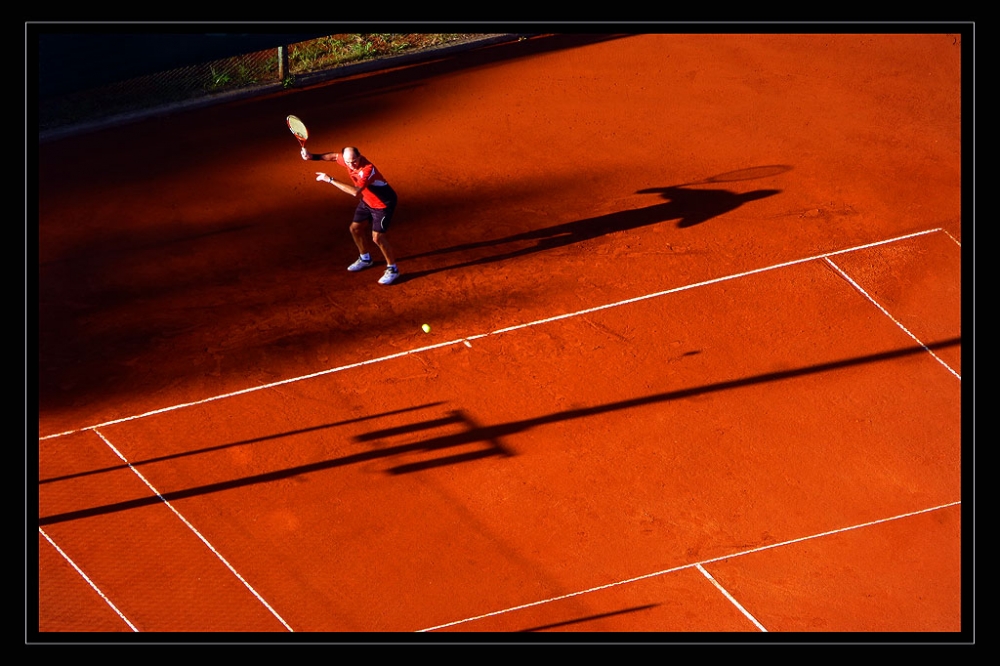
{"type": "Point", "coordinates": [297, 127]}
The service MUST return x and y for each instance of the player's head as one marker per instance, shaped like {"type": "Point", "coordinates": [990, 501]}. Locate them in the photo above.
{"type": "Point", "coordinates": [352, 156]}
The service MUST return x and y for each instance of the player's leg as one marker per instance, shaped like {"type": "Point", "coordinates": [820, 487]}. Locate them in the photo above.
{"type": "Point", "coordinates": [380, 227]}
{"type": "Point", "coordinates": [359, 232]}
{"type": "Point", "coordinates": [381, 241]}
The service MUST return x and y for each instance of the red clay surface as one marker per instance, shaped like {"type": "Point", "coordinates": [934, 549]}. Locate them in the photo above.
{"type": "Point", "coordinates": [761, 432]}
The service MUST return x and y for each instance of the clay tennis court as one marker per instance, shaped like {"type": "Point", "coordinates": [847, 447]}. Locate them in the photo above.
{"type": "Point", "coordinates": [644, 405]}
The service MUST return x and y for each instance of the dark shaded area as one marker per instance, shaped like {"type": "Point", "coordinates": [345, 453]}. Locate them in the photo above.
{"type": "Point", "coordinates": [70, 61]}
{"type": "Point", "coordinates": [84, 358]}
{"type": "Point", "coordinates": [477, 434]}
{"type": "Point", "coordinates": [74, 57]}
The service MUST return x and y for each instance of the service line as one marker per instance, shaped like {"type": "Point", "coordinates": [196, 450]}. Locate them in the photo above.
{"type": "Point", "coordinates": [465, 340]}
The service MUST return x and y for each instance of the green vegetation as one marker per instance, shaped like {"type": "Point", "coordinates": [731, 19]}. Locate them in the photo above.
{"type": "Point", "coordinates": [343, 49]}
{"type": "Point", "coordinates": [320, 54]}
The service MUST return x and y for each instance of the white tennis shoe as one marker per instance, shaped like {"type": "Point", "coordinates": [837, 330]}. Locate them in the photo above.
{"type": "Point", "coordinates": [360, 264]}
{"type": "Point", "coordinates": [389, 276]}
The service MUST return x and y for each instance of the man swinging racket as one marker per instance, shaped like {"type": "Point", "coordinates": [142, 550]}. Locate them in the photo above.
{"type": "Point", "coordinates": [376, 205]}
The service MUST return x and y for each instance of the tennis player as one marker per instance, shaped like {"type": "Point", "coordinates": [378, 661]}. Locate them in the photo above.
{"type": "Point", "coordinates": [376, 205]}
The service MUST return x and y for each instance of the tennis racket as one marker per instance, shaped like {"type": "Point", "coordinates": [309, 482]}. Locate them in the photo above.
{"type": "Point", "coordinates": [298, 129]}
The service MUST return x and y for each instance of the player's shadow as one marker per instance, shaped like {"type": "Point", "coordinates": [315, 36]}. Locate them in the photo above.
{"type": "Point", "coordinates": [688, 206]}
{"type": "Point", "coordinates": [693, 207]}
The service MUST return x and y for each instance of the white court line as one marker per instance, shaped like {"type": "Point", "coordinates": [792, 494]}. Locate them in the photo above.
{"type": "Point", "coordinates": [466, 339]}
{"type": "Point", "coordinates": [730, 597]}
{"type": "Point", "coordinates": [688, 566]}
{"type": "Point", "coordinates": [86, 578]}
{"type": "Point", "coordinates": [886, 313]}
{"type": "Point", "coordinates": [193, 529]}
{"type": "Point", "coordinates": [957, 242]}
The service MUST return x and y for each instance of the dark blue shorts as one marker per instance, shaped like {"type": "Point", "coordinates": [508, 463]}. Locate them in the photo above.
{"type": "Point", "coordinates": [380, 218]}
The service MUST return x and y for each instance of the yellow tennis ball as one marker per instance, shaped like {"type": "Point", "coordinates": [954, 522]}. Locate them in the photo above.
{"type": "Point", "coordinates": [427, 328]}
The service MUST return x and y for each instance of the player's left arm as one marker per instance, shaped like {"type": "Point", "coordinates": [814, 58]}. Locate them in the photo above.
{"type": "Point", "coordinates": [343, 187]}
{"type": "Point", "coordinates": [360, 183]}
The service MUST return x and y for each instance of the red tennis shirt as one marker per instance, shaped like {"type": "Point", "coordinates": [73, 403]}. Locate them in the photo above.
{"type": "Point", "coordinates": [375, 190]}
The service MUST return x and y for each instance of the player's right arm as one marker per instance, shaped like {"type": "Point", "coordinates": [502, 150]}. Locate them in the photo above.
{"type": "Point", "coordinates": [326, 157]}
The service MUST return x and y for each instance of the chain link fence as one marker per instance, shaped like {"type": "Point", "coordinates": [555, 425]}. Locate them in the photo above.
{"type": "Point", "coordinates": [157, 90]}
